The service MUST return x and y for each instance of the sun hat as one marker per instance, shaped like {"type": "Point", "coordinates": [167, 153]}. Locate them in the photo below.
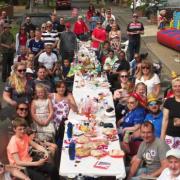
{"type": "Point", "coordinates": [173, 152]}
{"type": "Point", "coordinates": [151, 97]}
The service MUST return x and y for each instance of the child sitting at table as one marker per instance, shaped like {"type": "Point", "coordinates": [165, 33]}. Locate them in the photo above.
{"type": "Point", "coordinates": [50, 147]}
{"type": "Point", "coordinates": [66, 68]}
{"type": "Point", "coordinates": [18, 153]}
{"type": "Point", "coordinates": [104, 52]}
{"type": "Point", "coordinates": [30, 72]}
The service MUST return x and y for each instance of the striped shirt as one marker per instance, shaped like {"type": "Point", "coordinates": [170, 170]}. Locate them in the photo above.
{"type": "Point", "coordinates": [50, 37]}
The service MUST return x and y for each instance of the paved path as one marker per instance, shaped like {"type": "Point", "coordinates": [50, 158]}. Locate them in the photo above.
{"type": "Point", "coordinates": [161, 53]}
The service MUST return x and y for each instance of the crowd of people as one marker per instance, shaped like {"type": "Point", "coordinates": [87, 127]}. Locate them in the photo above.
{"type": "Point", "coordinates": [35, 66]}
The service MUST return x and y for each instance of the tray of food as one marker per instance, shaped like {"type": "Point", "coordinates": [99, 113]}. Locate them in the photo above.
{"type": "Point", "coordinates": [116, 153]}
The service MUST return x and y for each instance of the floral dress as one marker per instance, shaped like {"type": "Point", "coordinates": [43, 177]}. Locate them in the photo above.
{"type": "Point", "coordinates": [115, 41]}
{"type": "Point", "coordinates": [42, 112]}
{"type": "Point", "coordinates": [61, 111]}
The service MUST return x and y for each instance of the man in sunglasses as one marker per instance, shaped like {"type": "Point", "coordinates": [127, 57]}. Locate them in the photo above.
{"type": "Point", "coordinates": [155, 114]}
{"type": "Point", "coordinates": [98, 37]}
{"type": "Point", "coordinates": [134, 31]}
{"type": "Point", "coordinates": [29, 25]}
{"type": "Point", "coordinates": [50, 36]}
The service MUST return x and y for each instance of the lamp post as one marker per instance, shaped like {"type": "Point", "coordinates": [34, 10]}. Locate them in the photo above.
{"type": "Point", "coordinates": [30, 6]}
{"type": "Point", "coordinates": [134, 5]}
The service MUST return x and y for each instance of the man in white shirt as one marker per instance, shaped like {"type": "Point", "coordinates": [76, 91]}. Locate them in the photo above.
{"type": "Point", "coordinates": [172, 172]}
{"type": "Point", "coordinates": [48, 59]}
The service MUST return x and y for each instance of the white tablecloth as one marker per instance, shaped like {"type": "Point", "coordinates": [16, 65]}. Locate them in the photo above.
{"type": "Point", "coordinates": [85, 166]}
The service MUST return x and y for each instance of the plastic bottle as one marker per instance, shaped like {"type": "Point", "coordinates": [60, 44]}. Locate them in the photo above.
{"type": "Point", "coordinates": [87, 106]}
{"type": "Point", "coordinates": [105, 104]}
{"type": "Point", "coordinates": [72, 150]}
{"type": "Point", "coordinates": [69, 130]}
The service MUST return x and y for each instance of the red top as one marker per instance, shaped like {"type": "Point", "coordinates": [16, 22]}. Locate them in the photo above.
{"type": "Point", "coordinates": [99, 34]}
{"type": "Point", "coordinates": [89, 14]}
{"type": "Point", "coordinates": [80, 27]}
{"type": "Point", "coordinates": [22, 39]}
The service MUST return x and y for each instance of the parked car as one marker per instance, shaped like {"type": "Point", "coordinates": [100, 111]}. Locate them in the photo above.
{"type": "Point", "coordinates": [60, 4]}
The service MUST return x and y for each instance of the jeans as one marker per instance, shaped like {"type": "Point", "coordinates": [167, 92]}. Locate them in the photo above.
{"type": "Point", "coordinates": [7, 62]}
{"type": "Point", "coordinates": [37, 173]}
{"type": "Point", "coordinates": [139, 172]}
{"type": "Point", "coordinates": [133, 47]}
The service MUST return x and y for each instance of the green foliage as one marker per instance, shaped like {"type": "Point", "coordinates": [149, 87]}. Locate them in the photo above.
{"type": "Point", "coordinates": [15, 29]}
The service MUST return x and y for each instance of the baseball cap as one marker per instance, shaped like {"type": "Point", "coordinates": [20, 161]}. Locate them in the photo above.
{"type": "Point", "coordinates": [173, 152]}
{"type": "Point", "coordinates": [68, 24]}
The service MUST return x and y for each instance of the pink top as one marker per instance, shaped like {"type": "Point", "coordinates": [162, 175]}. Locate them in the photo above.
{"type": "Point", "coordinates": [20, 146]}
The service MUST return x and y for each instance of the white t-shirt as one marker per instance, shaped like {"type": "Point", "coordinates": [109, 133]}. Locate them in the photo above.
{"type": "Point", "coordinates": [150, 83]}
{"type": "Point", "coordinates": [47, 60]}
{"type": "Point", "coordinates": [166, 175]}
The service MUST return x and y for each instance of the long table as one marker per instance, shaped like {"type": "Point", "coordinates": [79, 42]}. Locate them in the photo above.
{"type": "Point", "coordinates": [85, 166]}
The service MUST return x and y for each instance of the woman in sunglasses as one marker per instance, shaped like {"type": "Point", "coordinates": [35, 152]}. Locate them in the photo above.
{"type": "Point", "coordinates": [21, 39]}
{"type": "Point", "coordinates": [7, 171]}
{"type": "Point", "coordinates": [149, 78]}
{"type": "Point", "coordinates": [121, 93]}
{"type": "Point", "coordinates": [23, 111]}
{"type": "Point", "coordinates": [18, 87]}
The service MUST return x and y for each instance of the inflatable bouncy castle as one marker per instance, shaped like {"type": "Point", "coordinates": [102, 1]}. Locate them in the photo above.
{"type": "Point", "coordinates": [170, 37]}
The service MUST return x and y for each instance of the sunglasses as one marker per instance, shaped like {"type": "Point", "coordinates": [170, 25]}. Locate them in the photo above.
{"type": "Point", "coordinates": [124, 76]}
{"type": "Point", "coordinates": [153, 103]}
{"type": "Point", "coordinates": [43, 27]}
{"type": "Point", "coordinates": [131, 102]}
{"type": "Point", "coordinates": [135, 16]}
{"type": "Point", "coordinates": [21, 70]}
{"type": "Point", "coordinates": [23, 109]}
{"type": "Point", "coordinates": [99, 23]}
{"type": "Point", "coordinates": [145, 67]}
